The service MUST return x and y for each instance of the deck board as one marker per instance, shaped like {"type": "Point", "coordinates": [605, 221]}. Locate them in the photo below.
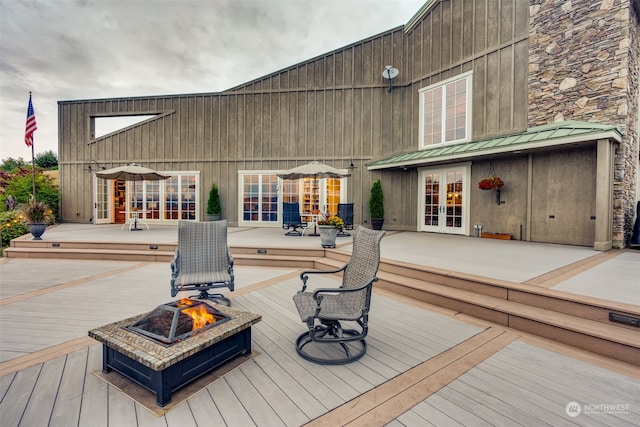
{"type": "Point", "coordinates": [94, 409]}
{"type": "Point", "coordinates": [40, 406]}
{"type": "Point", "coordinates": [231, 406]}
{"type": "Point", "coordinates": [203, 409]}
{"type": "Point", "coordinates": [276, 398]}
{"type": "Point", "coordinates": [494, 388]}
{"type": "Point", "coordinates": [17, 397]}
{"type": "Point", "coordinates": [253, 401]}
{"type": "Point", "coordinates": [69, 399]}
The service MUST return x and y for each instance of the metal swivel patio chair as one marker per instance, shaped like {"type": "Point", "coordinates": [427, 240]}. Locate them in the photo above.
{"type": "Point", "coordinates": [291, 219]}
{"type": "Point", "coordinates": [202, 260]}
{"type": "Point", "coordinates": [345, 211]}
{"type": "Point", "coordinates": [324, 310]}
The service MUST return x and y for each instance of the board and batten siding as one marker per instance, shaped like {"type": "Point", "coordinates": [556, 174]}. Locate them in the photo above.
{"type": "Point", "coordinates": [335, 108]}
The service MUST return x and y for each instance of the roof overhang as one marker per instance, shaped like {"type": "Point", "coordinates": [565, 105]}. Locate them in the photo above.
{"type": "Point", "coordinates": [545, 137]}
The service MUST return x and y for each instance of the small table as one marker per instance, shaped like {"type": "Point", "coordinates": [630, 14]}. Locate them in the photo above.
{"type": "Point", "coordinates": [133, 221]}
{"type": "Point", "coordinates": [314, 222]}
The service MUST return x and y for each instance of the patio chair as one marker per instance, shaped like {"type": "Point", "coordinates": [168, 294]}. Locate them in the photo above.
{"type": "Point", "coordinates": [345, 211]}
{"type": "Point", "coordinates": [202, 260]}
{"type": "Point", "coordinates": [291, 219]}
{"type": "Point", "coordinates": [325, 309]}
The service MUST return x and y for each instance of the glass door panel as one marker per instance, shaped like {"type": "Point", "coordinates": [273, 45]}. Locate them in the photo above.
{"type": "Point", "coordinates": [453, 220]}
{"type": "Point", "coordinates": [431, 218]}
{"type": "Point", "coordinates": [171, 188]}
{"type": "Point", "coordinates": [152, 200]}
{"type": "Point", "coordinates": [333, 194]}
{"type": "Point", "coordinates": [269, 197]}
{"type": "Point", "coordinates": [102, 196]}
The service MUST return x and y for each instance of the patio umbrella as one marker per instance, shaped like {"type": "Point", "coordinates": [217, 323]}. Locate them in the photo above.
{"type": "Point", "coordinates": [313, 170]}
{"type": "Point", "coordinates": [132, 172]}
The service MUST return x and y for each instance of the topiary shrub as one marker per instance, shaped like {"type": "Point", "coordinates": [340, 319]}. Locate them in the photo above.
{"type": "Point", "coordinates": [213, 205]}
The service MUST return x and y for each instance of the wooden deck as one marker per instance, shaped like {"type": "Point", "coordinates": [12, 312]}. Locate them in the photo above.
{"type": "Point", "coordinates": [424, 365]}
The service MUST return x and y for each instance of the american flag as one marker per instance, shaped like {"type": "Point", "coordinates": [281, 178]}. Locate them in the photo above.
{"type": "Point", "coordinates": [31, 124]}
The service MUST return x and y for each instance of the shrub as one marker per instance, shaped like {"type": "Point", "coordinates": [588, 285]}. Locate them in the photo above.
{"type": "Point", "coordinates": [213, 205]}
{"type": "Point", "coordinates": [376, 201]}
{"type": "Point", "coordinates": [11, 226]}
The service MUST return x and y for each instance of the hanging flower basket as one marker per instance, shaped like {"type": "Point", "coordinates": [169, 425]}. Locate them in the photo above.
{"type": "Point", "coordinates": [491, 183]}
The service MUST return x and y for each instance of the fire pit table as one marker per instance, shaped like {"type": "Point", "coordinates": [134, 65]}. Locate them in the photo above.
{"type": "Point", "coordinates": [163, 367]}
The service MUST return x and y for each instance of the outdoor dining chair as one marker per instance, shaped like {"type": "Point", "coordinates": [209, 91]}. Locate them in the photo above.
{"type": "Point", "coordinates": [337, 318]}
{"type": "Point", "coordinates": [202, 260]}
{"type": "Point", "coordinates": [291, 219]}
{"type": "Point", "coordinates": [345, 211]}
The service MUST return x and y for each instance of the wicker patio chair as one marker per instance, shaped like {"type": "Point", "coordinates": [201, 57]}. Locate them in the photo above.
{"type": "Point", "coordinates": [325, 309]}
{"type": "Point", "coordinates": [291, 219]}
{"type": "Point", "coordinates": [202, 260]}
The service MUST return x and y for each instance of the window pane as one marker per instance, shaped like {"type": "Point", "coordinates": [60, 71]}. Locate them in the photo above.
{"type": "Point", "coordinates": [432, 118]}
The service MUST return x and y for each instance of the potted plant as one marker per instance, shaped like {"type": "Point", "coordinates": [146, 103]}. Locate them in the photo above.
{"type": "Point", "coordinates": [492, 183]}
{"type": "Point", "coordinates": [329, 227]}
{"type": "Point", "coordinates": [37, 216]}
{"type": "Point", "coordinates": [376, 206]}
{"type": "Point", "coordinates": [214, 208]}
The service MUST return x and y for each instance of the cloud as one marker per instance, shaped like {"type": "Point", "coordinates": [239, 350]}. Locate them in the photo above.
{"type": "Point", "coordinates": [62, 50]}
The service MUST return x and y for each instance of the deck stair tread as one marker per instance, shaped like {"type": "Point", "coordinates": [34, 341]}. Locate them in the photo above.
{"type": "Point", "coordinates": [609, 332]}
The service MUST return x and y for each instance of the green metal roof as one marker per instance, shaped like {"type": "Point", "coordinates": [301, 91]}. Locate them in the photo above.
{"type": "Point", "coordinates": [545, 136]}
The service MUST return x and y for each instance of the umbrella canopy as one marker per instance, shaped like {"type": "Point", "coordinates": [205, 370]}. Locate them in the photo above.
{"type": "Point", "coordinates": [132, 172]}
{"type": "Point", "coordinates": [313, 170]}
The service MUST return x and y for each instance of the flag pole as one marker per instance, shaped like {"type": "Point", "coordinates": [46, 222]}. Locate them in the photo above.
{"type": "Point", "coordinates": [28, 139]}
{"type": "Point", "coordinates": [33, 170]}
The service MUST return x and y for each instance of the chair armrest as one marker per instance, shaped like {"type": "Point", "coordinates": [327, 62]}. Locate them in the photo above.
{"type": "Point", "coordinates": [318, 297]}
{"type": "Point", "coordinates": [304, 276]}
{"type": "Point", "coordinates": [229, 257]}
{"type": "Point", "coordinates": [175, 264]}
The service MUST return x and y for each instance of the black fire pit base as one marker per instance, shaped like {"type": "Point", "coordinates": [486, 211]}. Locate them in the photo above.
{"type": "Point", "coordinates": [164, 382]}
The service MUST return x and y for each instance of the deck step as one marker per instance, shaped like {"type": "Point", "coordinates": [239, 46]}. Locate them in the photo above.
{"type": "Point", "coordinates": [581, 322]}
{"type": "Point", "coordinates": [268, 257]}
{"type": "Point", "coordinates": [95, 253]}
{"type": "Point", "coordinates": [613, 340]}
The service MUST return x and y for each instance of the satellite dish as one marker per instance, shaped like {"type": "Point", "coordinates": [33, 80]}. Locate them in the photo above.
{"type": "Point", "coordinates": [390, 73]}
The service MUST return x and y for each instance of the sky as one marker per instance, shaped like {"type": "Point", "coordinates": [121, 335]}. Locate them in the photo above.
{"type": "Point", "coordinates": [91, 49]}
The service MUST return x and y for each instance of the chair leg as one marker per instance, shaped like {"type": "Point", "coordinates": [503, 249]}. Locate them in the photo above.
{"type": "Point", "coordinates": [351, 343]}
{"type": "Point", "coordinates": [217, 298]}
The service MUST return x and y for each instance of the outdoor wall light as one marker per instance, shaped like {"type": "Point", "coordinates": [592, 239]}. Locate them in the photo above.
{"type": "Point", "coordinates": [98, 166]}
{"type": "Point", "coordinates": [390, 73]}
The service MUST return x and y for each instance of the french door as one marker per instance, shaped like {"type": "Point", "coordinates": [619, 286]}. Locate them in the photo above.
{"type": "Point", "coordinates": [103, 193]}
{"type": "Point", "coordinates": [444, 194]}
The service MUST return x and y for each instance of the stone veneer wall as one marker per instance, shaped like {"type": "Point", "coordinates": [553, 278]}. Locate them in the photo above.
{"type": "Point", "coordinates": [583, 65]}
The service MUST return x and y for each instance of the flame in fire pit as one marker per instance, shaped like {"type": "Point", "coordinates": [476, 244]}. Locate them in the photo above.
{"type": "Point", "coordinates": [175, 321]}
{"type": "Point", "coordinates": [201, 317]}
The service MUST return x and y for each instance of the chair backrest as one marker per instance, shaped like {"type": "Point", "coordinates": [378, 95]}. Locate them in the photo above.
{"type": "Point", "coordinates": [202, 246]}
{"type": "Point", "coordinates": [365, 258]}
{"type": "Point", "coordinates": [345, 211]}
{"type": "Point", "coordinates": [291, 213]}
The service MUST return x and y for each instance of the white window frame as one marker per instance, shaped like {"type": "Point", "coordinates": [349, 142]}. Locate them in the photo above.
{"type": "Point", "coordinates": [467, 77]}
{"type": "Point", "coordinates": [259, 222]}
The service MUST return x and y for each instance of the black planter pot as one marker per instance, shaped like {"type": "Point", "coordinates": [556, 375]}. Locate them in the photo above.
{"type": "Point", "coordinates": [376, 223]}
{"type": "Point", "coordinates": [37, 230]}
